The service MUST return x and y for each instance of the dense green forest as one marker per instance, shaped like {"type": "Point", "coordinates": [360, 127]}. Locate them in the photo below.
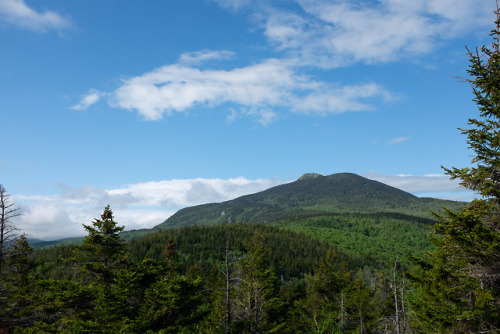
{"type": "Point", "coordinates": [377, 238]}
{"type": "Point", "coordinates": [310, 258]}
{"type": "Point", "coordinates": [188, 280]}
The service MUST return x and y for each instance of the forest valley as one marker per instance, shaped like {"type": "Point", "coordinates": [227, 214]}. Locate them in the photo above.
{"type": "Point", "coordinates": [275, 277]}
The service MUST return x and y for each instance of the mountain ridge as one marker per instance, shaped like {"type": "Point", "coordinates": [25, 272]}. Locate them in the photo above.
{"type": "Point", "coordinates": [312, 193]}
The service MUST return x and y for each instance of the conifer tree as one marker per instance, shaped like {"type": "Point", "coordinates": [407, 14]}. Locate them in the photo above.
{"type": "Point", "coordinates": [20, 304]}
{"type": "Point", "coordinates": [102, 249]}
{"type": "Point", "coordinates": [460, 281]}
{"type": "Point", "coordinates": [102, 256]}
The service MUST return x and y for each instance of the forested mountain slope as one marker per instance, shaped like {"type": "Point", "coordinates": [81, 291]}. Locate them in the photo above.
{"type": "Point", "coordinates": [375, 238]}
{"type": "Point", "coordinates": [310, 194]}
{"type": "Point", "coordinates": [201, 279]}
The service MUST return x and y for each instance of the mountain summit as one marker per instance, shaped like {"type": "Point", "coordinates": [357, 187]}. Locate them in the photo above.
{"type": "Point", "coordinates": [311, 194]}
{"type": "Point", "coordinates": [308, 176]}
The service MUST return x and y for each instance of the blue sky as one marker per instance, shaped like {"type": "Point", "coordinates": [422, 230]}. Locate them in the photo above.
{"type": "Point", "coordinates": [158, 105]}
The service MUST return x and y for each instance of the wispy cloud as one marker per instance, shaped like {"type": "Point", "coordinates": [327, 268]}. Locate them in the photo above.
{"type": "Point", "coordinates": [92, 97]}
{"type": "Point", "coordinates": [341, 32]}
{"type": "Point", "coordinates": [141, 205]}
{"type": "Point", "coordinates": [257, 88]}
{"type": "Point", "coordinates": [314, 33]}
{"type": "Point", "coordinates": [17, 13]}
{"type": "Point", "coordinates": [198, 57]}
{"type": "Point", "coordinates": [264, 116]}
{"type": "Point", "coordinates": [397, 140]}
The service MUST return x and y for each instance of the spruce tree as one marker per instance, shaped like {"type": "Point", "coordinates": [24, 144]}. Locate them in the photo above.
{"type": "Point", "coordinates": [102, 255]}
{"type": "Point", "coordinates": [17, 303]}
{"type": "Point", "coordinates": [459, 282]}
{"type": "Point", "coordinates": [102, 249]}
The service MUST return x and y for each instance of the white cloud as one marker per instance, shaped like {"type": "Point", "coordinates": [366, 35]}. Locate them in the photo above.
{"type": "Point", "coordinates": [92, 97]}
{"type": "Point", "coordinates": [397, 140]}
{"type": "Point", "coordinates": [141, 205]}
{"type": "Point", "coordinates": [258, 88]}
{"type": "Point", "coordinates": [50, 220]}
{"type": "Point", "coordinates": [315, 33]}
{"type": "Point", "coordinates": [341, 32]}
{"type": "Point", "coordinates": [175, 88]}
{"type": "Point", "coordinates": [17, 13]}
{"type": "Point", "coordinates": [204, 55]}
{"type": "Point", "coordinates": [329, 100]}
{"type": "Point", "coordinates": [435, 185]}
{"type": "Point", "coordinates": [265, 116]}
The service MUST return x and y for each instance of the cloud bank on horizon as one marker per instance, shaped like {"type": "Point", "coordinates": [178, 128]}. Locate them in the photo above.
{"type": "Point", "coordinates": [145, 205]}
{"type": "Point", "coordinates": [136, 206]}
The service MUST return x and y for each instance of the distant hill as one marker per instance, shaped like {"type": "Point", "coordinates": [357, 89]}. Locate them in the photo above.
{"type": "Point", "coordinates": [311, 194]}
{"type": "Point", "coordinates": [37, 243]}
{"type": "Point", "coordinates": [126, 236]}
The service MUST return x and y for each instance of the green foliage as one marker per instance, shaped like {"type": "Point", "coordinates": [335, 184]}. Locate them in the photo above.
{"type": "Point", "coordinates": [171, 282]}
{"type": "Point", "coordinates": [20, 259]}
{"type": "Point", "coordinates": [102, 248]}
{"type": "Point", "coordinates": [291, 255]}
{"type": "Point", "coordinates": [339, 301]}
{"type": "Point", "coordinates": [376, 239]}
{"type": "Point", "coordinates": [257, 301]}
{"type": "Point", "coordinates": [459, 283]}
{"type": "Point", "coordinates": [320, 311]}
{"type": "Point", "coordinates": [483, 137]}
{"type": "Point", "coordinates": [173, 304]}
{"type": "Point", "coordinates": [17, 282]}
{"type": "Point", "coordinates": [111, 294]}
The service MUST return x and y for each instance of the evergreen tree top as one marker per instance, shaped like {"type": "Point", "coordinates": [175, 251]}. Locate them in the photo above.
{"type": "Point", "coordinates": [483, 137]}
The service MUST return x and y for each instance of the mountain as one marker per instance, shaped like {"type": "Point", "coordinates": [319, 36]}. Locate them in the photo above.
{"type": "Point", "coordinates": [311, 194]}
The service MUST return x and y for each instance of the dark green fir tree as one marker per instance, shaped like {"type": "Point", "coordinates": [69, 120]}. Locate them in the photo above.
{"type": "Point", "coordinates": [459, 283]}
{"type": "Point", "coordinates": [103, 249]}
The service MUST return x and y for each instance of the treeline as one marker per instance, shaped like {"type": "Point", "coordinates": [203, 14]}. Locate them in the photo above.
{"type": "Point", "coordinates": [221, 279]}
